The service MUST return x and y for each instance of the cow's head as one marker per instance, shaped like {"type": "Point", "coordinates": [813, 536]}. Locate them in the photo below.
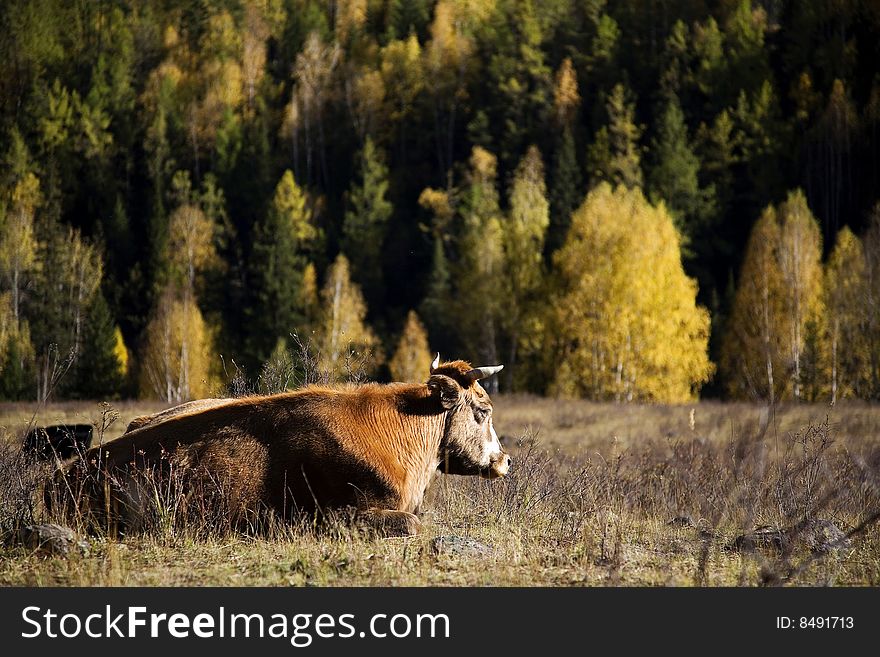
{"type": "Point", "coordinates": [470, 445]}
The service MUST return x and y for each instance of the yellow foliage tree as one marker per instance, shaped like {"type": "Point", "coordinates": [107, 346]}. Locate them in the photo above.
{"type": "Point", "coordinates": [566, 97]}
{"type": "Point", "coordinates": [626, 325]}
{"type": "Point", "coordinates": [846, 327]}
{"type": "Point", "coordinates": [771, 348]}
{"type": "Point", "coordinates": [412, 359]}
{"type": "Point", "coordinates": [347, 346]}
{"type": "Point", "coordinates": [18, 245]}
{"type": "Point", "coordinates": [177, 362]}
{"type": "Point", "coordinates": [751, 357]}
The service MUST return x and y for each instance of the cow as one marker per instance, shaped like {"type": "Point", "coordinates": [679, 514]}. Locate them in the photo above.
{"type": "Point", "coordinates": [373, 448]}
{"type": "Point", "coordinates": [62, 441]}
{"type": "Point", "coordinates": [168, 413]}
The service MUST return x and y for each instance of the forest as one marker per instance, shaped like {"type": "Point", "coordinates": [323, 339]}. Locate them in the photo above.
{"type": "Point", "coordinates": [637, 200]}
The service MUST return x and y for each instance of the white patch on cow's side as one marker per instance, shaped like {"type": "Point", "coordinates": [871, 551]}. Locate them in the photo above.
{"type": "Point", "coordinates": [493, 445]}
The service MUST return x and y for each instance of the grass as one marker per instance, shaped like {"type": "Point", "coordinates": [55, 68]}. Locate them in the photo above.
{"type": "Point", "coordinates": [589, 501]}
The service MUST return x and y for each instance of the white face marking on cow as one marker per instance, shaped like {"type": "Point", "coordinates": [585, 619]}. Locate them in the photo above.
{"type": "Point", "coordinates": [493, 445]}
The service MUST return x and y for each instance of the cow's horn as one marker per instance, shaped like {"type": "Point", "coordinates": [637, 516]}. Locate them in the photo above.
{"type": "Point", "coordinates": [483, 372]}
{"type": "Point", "coordinates": [435, 363]}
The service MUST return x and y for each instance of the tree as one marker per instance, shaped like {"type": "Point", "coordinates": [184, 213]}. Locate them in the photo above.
{"type": "Point", "coordinates": [64, 287]}
{"type": "Point", "coordinates": [566, 186]}
{"type": "Point", "coordinates": [177, 359]}
{"type": "Point", "coordinates": [346, 346]}
{"type": "Point", "coordinates": [17, 241]}
{"type": "Point", "coordinates": [872, 299]}
{"type": "Point", "coordinates": [846, 322]}
{"type": "Point", "coordinates": [366, 222]}
{"type": "Point", "coordinates": [800, 255]}
{"type": "Point", "coordinates": [625, 326]}
{"type": "Point", "coordinates": [523, 235]}
{"type": "Point", "coordinates": [16, 352]}
{"type": "Point", "coordinates": [282, 244]}
{"type": "Point", "coordinates": [479, 271]}
{"type": "Point", "coordinates": [615, 155]}
{"type": "Point", "coordinates": [566, 189]}
{"type": "Point", "coordinates": [412, 359]}
{"type": "Point", "coordinates": [101, 368]}
{"type": "Point", "coordinates": [673, 177]}
{"type": "Point", "coordinates": [771, 349]}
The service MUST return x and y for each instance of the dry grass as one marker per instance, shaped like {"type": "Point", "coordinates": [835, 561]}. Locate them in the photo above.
{"type": "Point", "coordinates": [588, 503]}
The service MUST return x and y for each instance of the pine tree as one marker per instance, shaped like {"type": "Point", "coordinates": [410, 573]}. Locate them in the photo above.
{"type": "Point", "coordinates": [673, 175]}
{"type": "Point", "coordinates": [615, 155]}
{"type": "Point", "coordinates": [278, 260]}
{"type": "Point", "coordinates": [625, 326]}
{"type": "Point", "coordinates": [347, 346]}
{"type": "Point", "coordinates": [99, 371]}
{"type": "Point", "coordinates": [366, 222]}
{"type": "Point", "coordinates": [412, 359]}
{"type": "Point", "coordinates": [567, 189]}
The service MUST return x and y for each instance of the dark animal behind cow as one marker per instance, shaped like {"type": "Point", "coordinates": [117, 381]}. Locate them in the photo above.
{"type": "Point", "coordinates": [374, 448]}
{"type": "Point", "coordinates": [63, 441]}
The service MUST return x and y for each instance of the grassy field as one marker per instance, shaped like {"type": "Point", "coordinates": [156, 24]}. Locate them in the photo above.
{"type": "Point", "coordinates": [589, 502]}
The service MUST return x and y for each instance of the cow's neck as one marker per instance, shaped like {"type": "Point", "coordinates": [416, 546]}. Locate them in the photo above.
{"type": "Point", "coordinates": [421, 463]}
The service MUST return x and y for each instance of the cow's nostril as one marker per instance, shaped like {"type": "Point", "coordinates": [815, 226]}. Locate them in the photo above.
{"type": "Point", "coordinates": [508, 461]}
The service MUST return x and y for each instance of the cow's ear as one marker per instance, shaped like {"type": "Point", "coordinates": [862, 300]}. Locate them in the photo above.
{"type": "Point", "coordinates": [446, 389]}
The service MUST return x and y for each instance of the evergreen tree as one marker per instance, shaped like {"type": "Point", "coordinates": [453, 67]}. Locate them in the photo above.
{"type": "Point", "coordinates": [566, 191]}
{"type": "Point", "coordinates": [100, 371]}
{"type": "Point", "coordinates": [279, 257]}
{"type": "Point", "coordinates": [366, 222]}
{"type": "Point", "coordinates": [673, 177]}
{"type": "Point", "coordinates": [615, 155]}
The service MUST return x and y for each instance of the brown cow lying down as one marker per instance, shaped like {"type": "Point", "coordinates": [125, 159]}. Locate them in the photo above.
{"type": "Point", "coordinates": [374, 448]}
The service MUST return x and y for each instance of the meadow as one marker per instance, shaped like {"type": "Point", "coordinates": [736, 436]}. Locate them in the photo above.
{"type": "Point", "coordinates": [600, 494]}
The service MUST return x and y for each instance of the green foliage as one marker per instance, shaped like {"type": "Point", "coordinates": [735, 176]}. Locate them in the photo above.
{"type": "Point", "coordinates": [615, 156]}
{"type": "Point", "coordinates": [673, 177]}
{"type": "Point", "coordinates": [228, 150]}
{"type": "Point", "coordinates": [99, 373]}
{"type": "Point", "coordinates": [366, 222]}
{"type": "Point", "coordinates": [282, 242]}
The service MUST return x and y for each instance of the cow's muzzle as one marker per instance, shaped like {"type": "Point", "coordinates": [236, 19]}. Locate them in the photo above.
{"type": "Point", "coordinates": [498, 467]}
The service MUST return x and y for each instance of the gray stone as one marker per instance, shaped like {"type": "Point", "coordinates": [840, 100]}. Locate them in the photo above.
{"type": "Point", "coordinates": [765, 537]}
{"type": "Point", "coordinates": [460, 546]}
{"type": "Point", "coordinates": [51, 539]}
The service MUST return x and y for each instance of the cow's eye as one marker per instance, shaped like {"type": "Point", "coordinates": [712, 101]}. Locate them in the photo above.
{"type": "Point", "coordinates": [480, 415]}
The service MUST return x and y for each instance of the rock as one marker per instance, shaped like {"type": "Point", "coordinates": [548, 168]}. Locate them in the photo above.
{"type": "Point", "coordinates": [51, 539]}
{"type": "Point", "coordinates": [761, 538]}
{"type": "Point", "coordinates": [680, 521]}
{"type": "Point", "coordinates": [824, 537]}
{"type": "Point", "coordinates": [818, 536]}
{"type": "Point", "coordinates": [459, 546]}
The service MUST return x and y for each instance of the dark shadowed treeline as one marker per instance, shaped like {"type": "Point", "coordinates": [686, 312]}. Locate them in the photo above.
{"type": "Point", "coordinates": [630, 200]}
